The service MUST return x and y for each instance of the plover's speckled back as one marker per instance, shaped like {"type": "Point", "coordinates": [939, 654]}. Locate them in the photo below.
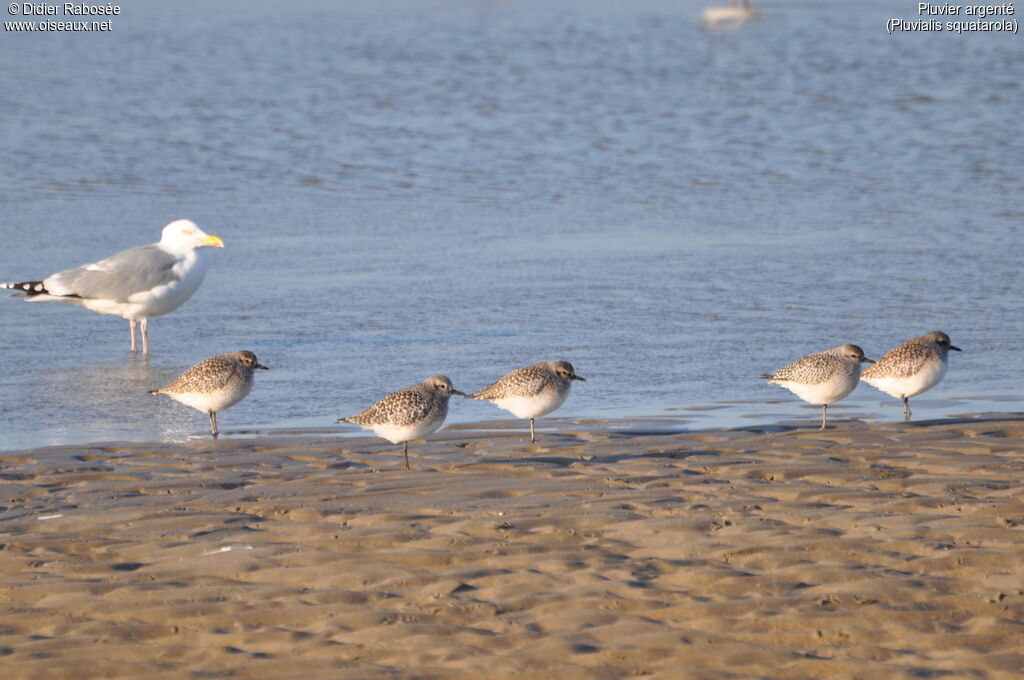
{"type": "Point", "coordinates": [409, 413]}
{"type": "Point", "coordinates": [532, 391]}
{"type": "Point", "coordinates": [822, 378]}
{"type": "Point", "coordinates": [214, 384]}
{"type": "Point", "coordinates": [911, 367]}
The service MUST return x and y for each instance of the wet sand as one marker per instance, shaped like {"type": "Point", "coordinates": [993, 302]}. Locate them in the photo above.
{"type": "Point", "coordinates": [604, 551]}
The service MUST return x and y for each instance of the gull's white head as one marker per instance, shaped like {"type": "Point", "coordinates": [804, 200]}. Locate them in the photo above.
{"type": "Point", "coordinates": [183, 235]}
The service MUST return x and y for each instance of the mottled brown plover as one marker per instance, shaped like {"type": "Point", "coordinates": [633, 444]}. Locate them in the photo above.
{"type": "Point", "coordinates": [531, 391]}
{"type": "Point", "coordinates": [912, 367]}
{"type": "Point", "coordinates": [409, 413]}
{"type": "Point", "coordinates": [214, 384]}
{"type": "Point", "coordinates": [822, 378]}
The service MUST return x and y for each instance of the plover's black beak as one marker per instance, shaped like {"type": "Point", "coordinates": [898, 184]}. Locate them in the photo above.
{"type": "Point", "coordinates": [955, 349]}
{"type": "Point", "coordinates": [579, 377]}
{"type": "Point", "coordinates": [459, 392]}
{"type": "Point", "coordinates": [261, 366]}
{"type": "Point", "coordinates": [865, 360]}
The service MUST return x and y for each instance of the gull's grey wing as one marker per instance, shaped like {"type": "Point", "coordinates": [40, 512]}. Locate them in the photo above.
{"type": "Point", "coordinates": [118, 277]}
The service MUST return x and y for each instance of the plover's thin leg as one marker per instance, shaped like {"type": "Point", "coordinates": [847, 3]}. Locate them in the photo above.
{"type": "Point", "coordinates": [533, 436]}
{"type": "Point", "coordinates": [131, 327]}
{"type": "Point", "coordinates": [213, 424]}
{"type": "Point", "coordinates": [145, 336]}
{"type": "Point", "coordinates": [824, 408]}
{"type": "Point", "coordinates": [407, 456]}
{"type": "Point", "coordinates": [906, 408]}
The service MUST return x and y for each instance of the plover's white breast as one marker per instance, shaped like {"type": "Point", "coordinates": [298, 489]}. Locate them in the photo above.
{"type": "Point", "coordinates": [396, 434]}
{"type": "Point", "coordinates": [214, 400]}
{"type": "Point", "coordinates": [534, 406]}
{"type": "Point", "coordinates": [826, 392]}
{"type": "Point", "coordinates": [929, 375]}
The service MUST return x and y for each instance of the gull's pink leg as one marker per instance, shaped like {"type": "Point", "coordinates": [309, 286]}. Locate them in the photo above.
{"type": "Point", "coordinates": [131, 327]}
{"type": "Point", "coordinates": [145, 336]}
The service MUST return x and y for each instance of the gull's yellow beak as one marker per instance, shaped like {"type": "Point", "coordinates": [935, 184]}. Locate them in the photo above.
{"type": "Point", "coordinates": [214, 241]}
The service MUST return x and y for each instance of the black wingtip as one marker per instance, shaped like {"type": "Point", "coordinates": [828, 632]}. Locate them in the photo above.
{"type": "Point", "coordinates": [26, 288]}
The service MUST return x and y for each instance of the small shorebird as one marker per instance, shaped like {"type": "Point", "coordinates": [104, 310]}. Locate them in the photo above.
{"type": "Point", "coordinates": [409, 413]}
{"type": "Point", "coordinates": [531, 391]}
{"type": "Point", "coordinates": [134, 284]}
{"type": "Point", "coordinates": [822, 378]}
{"type": "Point", "coordinates": [214, 384]}
{"type": "Point", "coordinates": [911, 367]}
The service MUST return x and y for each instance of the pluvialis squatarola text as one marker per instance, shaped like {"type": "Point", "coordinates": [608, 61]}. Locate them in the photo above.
{"type": "Point", "coordinates": [214, 384]}
{"type": "Point", "coordinates": [822, 378]}
{"type": "Point", "coordinates": [409, 413]}
{"type": "Point", "coordinates": [911, 367]}
{"type": "Point", "coordinates": [532, 391]}
{"type": "Point", "coordinates": [135, 284]}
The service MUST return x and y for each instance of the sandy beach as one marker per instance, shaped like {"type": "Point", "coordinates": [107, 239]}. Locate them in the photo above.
{"type": "Point", "coordinates": [604, 551]}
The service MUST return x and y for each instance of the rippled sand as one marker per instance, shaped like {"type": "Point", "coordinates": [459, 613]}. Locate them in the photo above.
{"type": "Point", "coordinates": [868, 551]}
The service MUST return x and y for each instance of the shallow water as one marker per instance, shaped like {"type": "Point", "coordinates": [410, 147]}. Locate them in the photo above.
{"type": "Point", "coordinates": [407, 188]}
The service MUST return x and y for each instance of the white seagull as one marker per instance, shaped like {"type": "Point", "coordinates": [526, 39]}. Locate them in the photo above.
{"type": "Point", "coordinates": [134, 284]}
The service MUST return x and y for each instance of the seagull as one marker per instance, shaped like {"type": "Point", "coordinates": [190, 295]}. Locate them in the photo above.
{"type": "Point", "coordinates": [134, 284]}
